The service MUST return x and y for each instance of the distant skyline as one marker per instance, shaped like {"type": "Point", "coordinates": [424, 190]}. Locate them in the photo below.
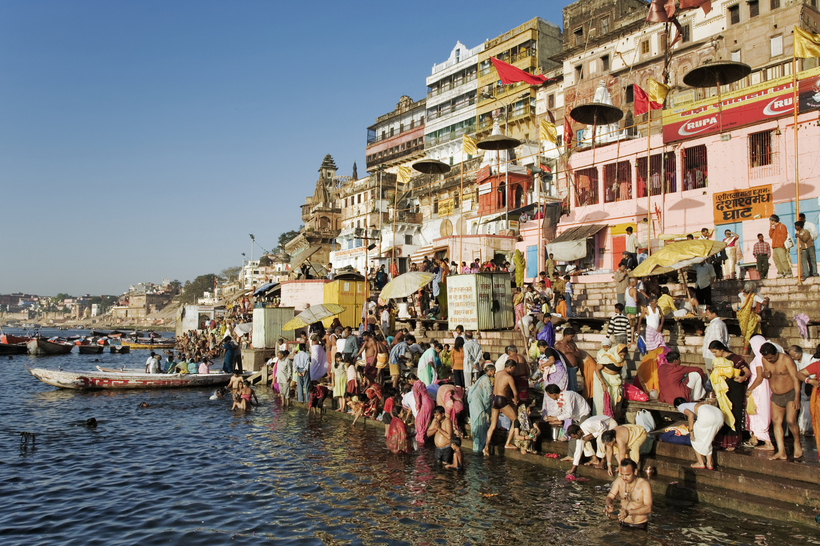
{"type": "Point", "coordinates": [147, 140]}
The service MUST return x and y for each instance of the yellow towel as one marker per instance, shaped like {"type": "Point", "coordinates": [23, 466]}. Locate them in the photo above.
{"type": "Point", "coordinates": [723, 370]}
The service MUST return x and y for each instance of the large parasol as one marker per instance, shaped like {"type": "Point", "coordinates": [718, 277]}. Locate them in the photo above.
{"type": "Point", "coordinates": [676, 256]}
{"type": "Point", "coordinates": [404, 285]}
{"type": "Point", "coordinates": [714, 75]}
{"type": "Point", "coordinates": [312, 314]}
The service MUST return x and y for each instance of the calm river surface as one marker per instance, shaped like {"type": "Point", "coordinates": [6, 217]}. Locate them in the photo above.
{"type": "Point", "coordinates": [188, 471]}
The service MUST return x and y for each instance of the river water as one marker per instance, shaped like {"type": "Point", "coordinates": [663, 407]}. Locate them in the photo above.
{"type": "Point", "coordinates": [186, 470]}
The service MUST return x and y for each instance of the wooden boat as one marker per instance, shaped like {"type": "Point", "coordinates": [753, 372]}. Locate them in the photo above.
{"type": "Point", "coordinates": [148, 344]}
{"type": "Point", "coordinates": [41, 347]}
{"type": "Point", "coordinates": [9, 339]}
{"type": "Point", "coordinates": [13, 349]}
{"type": "Point", "coordinates": [97, 380]}
{"type": "Point", "coordinates": [119, 349]}
{"type": "Point", "coordinates": [90, 349]}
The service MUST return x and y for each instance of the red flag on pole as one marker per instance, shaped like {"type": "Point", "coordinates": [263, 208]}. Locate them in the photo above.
{"type": "Point", "coordinates": [641, 100]}
{"type": "Point", "coordinates": [567, 130]}
{"type": "Point", "coordinates": [508, 74]}
{"type": "Point", "coordinates": [695, 4]}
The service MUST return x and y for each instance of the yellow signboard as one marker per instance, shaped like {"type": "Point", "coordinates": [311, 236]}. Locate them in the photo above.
{"type": "Point", "coordinates": [745, 204]}
{"type": "Point", "coordinates": [620, 229]}
{"type": "Point", "coordinates": [445, 207]}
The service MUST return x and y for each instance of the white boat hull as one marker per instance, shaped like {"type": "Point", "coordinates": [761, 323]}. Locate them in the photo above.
{"type": "Point", "coordinates": [94, 380]}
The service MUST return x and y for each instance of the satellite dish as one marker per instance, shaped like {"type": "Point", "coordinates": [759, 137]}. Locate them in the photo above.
{"type": "Point", "coordinates": [446, 228]}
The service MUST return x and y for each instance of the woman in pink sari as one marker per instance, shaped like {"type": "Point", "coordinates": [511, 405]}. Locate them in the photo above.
{"type": "Point", "coordinates": [424, 407]}
{"type": "Point", "coordinates": [760, 393]}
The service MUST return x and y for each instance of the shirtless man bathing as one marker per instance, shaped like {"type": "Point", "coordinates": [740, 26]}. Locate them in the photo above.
{"type": "Point", "coordinates": [780, 370]}
{"type": "Point", "coordinates": [635, 495]}
{"type": "Point", "coordinates": [442, 428]}
{"type": "Point", "coordinates": [504, 399]}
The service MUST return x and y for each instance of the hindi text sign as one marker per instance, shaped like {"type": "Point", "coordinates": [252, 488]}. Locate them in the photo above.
{"type": "Point", "coordinates": [745, 204]}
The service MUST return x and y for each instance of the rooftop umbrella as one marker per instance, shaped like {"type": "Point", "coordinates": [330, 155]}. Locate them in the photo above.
{"type": "Point", "coordinates": [596, 113]}
{"type": "Point", "coordinates": [312, 314]}
{"type": "Point", "coordinates": [431, 166]}
{"type": "Point", "coordinates": [404, 285]}
{"type": "Point", "coordinates": [499, 142]}
{"type": "Point", "coordinates": [676, 256]}
{"type": "Point", "coordinates": [715, 75]}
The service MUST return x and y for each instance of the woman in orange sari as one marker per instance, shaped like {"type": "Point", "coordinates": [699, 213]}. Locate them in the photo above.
{"type": "Point", "coordinates": [810, 375]}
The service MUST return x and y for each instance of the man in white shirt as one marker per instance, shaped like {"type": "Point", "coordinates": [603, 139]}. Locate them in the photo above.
{"type": "Point", "coordinates": [385, 319]}
{"type": "Point", "coordinates": [473, 359]}
{"type": "Point", "coordinates": [811, 227]}
{"type": "Point", "coordinates": [563, 409]}
{"type": "Point", "coordinates": [715, 331]}
{"type": "Point", "coordinates": [632, 243]}
{"type": "Point", "coordinates": [152, 364]}
{"type": "Point", "coordinates": [703, 283]}
{"type": "Point", "coordinates": [589, 430]}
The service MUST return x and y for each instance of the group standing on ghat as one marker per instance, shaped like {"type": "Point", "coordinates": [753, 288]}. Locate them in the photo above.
{"type": "Point", "coordinates": [441, 393]}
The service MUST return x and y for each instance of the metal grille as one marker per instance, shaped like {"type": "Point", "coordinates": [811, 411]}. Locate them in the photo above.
{"type": "Point", "coordinates": [586, 187]}
{"type": "Point", "coordinates": [617, 182]}
{"type": "Point", "coordinates": [762, 155]}
{"type": "Point", "coordinates": [662, 174]}
{"type": "Point", "coordinates": [695, 168]}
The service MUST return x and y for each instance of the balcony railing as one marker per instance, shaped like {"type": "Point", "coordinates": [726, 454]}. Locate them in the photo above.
{"type": "Point", "coordinates": [451, 85]}
{"type": "Point", "coordinates": [432, 114]}
{"type": "Point", "coordinates": [409, 217]}
{"type": "Point", "coordinates": [396, 155]}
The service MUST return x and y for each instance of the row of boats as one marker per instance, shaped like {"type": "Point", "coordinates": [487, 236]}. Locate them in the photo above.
{"type": "Point", "coordinates": [94, 343]}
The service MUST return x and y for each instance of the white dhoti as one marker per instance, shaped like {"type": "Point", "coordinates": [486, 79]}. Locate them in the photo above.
{"type": "Point", "coordinates": [804, 418]}
{"type": "Point", "coordinates": [707, 424]}
{"type": "Point", "coordinates": [695, 384]}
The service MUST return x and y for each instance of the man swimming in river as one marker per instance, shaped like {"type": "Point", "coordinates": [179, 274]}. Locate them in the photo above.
{"type": "Point", "coordinates": [635, 494]}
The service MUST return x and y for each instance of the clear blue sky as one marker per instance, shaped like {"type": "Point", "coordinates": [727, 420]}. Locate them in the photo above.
{"type": "Point", "coordinates": [144, 140]}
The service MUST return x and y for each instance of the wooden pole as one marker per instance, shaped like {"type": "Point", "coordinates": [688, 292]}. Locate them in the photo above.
{"type": "Point", "coordinates": [461, 213]}
{"type": "Point", "coordinates": [795, 100]}
{"type": "Point", "coordinates": [395, 214]}
{"type": "Point", "coordinates": [648, 184]}
{"type": "Point", "coordinates": [538, 203]}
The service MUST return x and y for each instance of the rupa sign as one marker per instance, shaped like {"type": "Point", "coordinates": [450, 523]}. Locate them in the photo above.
{"type": "Point", "coordinates": [768, 100]}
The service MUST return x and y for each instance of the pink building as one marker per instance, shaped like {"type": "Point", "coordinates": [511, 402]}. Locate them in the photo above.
{"type": "Point", "coordinates": [699, 176]}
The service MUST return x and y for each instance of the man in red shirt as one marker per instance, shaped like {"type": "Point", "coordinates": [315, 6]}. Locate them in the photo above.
{"type": "Point", "coordinates": [676, 381]}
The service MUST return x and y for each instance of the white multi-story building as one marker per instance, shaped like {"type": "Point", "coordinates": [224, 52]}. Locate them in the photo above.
{"type": "Point", "coordinates": [451, 104]}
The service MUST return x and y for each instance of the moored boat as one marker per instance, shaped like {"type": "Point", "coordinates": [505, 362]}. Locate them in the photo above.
{"type": "Point", "coordinates": [12, 349]}
{"type": "Point", "coordinates": [10, 339]}
{"type": "Point", "coordinates": [120, 349]}
{"type": "Point", "coordinates": [42, 347]}
{"type": "Point", "coordinates": [97, 380]}
{"type": "Point", "coordinates": [90, 349]}
{"type": "Point", "coordinates": [148, 345]}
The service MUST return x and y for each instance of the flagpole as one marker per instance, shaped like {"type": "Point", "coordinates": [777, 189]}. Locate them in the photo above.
{"type": "Point", "coordinates": [461, 213]}
{"type": "Point", "coordinates": [796, 168]}
{"type": "Point", "coordinates": [538, 204]}
{"type": "Point", "coordinates": [395, 215]}
{"type": "Point", "coordinates": [648, 184]}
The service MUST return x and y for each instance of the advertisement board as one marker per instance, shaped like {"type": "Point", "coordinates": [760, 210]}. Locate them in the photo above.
{"type": "Point", "coordinates": [768, 100]}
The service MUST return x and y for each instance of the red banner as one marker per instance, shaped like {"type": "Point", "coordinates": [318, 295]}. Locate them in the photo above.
{"type": "Point", "coordinates": [747, 107]}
